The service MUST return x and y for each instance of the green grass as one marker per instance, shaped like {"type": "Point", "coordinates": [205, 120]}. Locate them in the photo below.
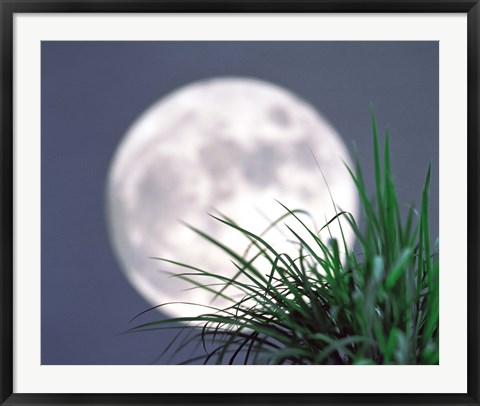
{"type": "Point", "coordinates": [329, 304]}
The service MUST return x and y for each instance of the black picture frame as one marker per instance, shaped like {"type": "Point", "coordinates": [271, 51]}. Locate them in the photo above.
{"type": "Point", "coordinates": [9, 8]}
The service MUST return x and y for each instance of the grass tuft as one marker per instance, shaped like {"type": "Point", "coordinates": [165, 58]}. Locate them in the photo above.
{"type": "Point", "coordinates": [330, 304]}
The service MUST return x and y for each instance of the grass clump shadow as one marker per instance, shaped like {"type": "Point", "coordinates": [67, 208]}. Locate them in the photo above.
{"type": "Point", "coordinates": [329, 305]}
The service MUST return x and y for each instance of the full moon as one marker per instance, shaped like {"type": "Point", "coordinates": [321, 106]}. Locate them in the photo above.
{"type": "Point", "coordinates": [226, 145]}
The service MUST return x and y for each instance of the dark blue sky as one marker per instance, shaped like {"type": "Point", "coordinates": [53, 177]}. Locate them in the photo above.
{"type": "Point", "coordinates": [93, 91]}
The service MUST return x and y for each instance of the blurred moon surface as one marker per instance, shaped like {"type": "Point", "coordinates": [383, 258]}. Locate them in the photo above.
{"type": "Point", "coordinates": [224, 145]}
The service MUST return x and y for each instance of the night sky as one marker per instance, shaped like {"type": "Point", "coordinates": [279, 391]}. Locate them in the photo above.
{"type": "Point", "coordinates": [93, 91]}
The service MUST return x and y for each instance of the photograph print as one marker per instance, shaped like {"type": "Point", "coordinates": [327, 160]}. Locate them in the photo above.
{"type": "Point", "coordinates": [239, 202]}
